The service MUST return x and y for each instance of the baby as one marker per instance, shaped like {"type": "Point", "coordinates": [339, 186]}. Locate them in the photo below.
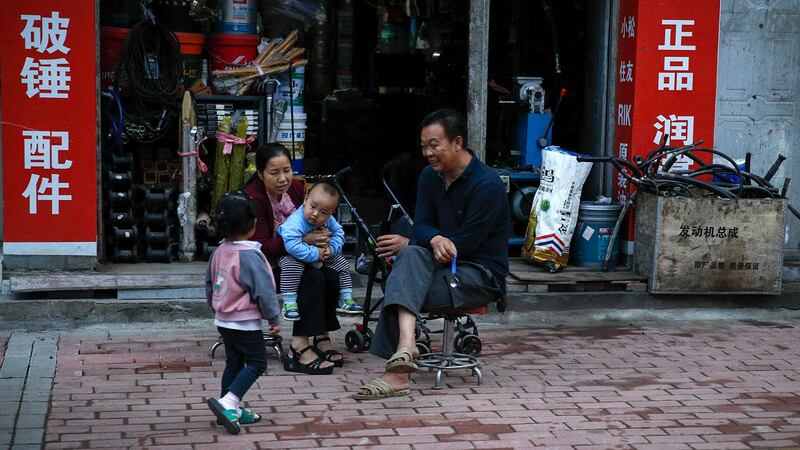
{"type": "Point", "coordinates": [316, 213]}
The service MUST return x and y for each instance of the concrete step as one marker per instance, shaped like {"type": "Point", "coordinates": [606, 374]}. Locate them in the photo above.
{"type": "Point", "coordinates": [524, 309]}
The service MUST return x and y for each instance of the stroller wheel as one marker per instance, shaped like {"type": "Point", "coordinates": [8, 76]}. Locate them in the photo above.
{"type": "Point", "coordinates": [458, 341]}
{"type": "Point", "coordinates": [355, 341]}
{"type": "Point", "coordinates": [423, 349]}
{"type": "Point", "coordinates": [471, 345]}
{"type": "Point", "coordinates": [367, 338]}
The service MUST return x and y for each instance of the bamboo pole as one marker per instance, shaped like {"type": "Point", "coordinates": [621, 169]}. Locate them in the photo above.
{"type": "Point", "coordinates": [235, 178]}
{"type": "Point", "coordinates": [222, 166]}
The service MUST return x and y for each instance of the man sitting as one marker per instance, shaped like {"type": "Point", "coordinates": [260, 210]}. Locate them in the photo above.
{"type": "Point", "coordinates": [461, 213]}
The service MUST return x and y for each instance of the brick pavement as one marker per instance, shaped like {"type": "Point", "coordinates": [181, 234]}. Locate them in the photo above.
{"type": "Point", "coordinates": [699, 386]}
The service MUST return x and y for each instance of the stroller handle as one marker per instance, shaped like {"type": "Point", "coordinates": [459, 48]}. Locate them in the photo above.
{"type": "Point", "coordinates": [342, 173]}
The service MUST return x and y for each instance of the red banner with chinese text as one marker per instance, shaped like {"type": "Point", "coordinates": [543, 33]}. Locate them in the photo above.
{"type": "Point", "coordinates": [666, 81]}
{"type": "Point", "coordinates": [48, 71]}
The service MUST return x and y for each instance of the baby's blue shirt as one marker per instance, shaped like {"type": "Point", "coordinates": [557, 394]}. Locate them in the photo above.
{"type": "Point", "coordinates": [296, 226]}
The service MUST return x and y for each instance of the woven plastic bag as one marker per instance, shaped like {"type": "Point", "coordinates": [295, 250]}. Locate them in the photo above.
{"type": "Point", "coordinates": [554, 211]}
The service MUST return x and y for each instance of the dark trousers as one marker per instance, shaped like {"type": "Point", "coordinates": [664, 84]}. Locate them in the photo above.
{"type": "Point", "coordinates": [317, 299]}
{"type": "Point", "coordinates": [245, 360]}
{"type": "Point", "coordinates": [418, 283]}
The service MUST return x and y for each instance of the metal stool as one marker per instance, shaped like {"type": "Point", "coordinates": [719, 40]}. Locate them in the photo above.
{"type": "Point", "coordinates": [448, 359]}
{"type": "Point", "coordinates": [275, 342]}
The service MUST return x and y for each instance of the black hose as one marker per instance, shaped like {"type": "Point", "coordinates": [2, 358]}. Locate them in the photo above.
{"type": "Point", "coordinates": [793, 210]}
{"type": "Point", "coordinates": [700, 184]}
{"type": "Point", "coordinates": [674, 157]}
{"type": "Point", "coordinates": [656, 157]}
{"type": "Point", "coordinates": [151, 65]}
{"type": "Point", "coordinates": [775, 166]}
{"type": "Point", "coordinates": [747, 160]}
{"type": "Point", "coordinates": [758, 190]}
{"type": "Point", "coordinates": [551, 22]}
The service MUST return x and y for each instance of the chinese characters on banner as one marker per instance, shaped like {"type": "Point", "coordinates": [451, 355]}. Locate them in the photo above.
{"type": "Point", "coordinates": [49, 127]}
{"type": "Point", "coordinates": [667, 78]}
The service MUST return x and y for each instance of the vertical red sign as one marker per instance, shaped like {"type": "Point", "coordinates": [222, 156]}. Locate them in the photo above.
{"type": "Point", "coordinates": [666, 80]}
{"type": "Point", "coordinates": [48, 68]}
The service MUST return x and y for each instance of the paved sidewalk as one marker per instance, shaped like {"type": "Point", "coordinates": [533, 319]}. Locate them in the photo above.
{"type": "Point", "coordinates": [694, 386]}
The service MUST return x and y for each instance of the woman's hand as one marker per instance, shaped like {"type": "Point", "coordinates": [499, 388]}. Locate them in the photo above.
{"type": "Point", "coordinates": [320, 238]}
{"type": "Point", "coordinates": [390, 244]}
{"type": "Point", "coordinates": [325, 253]}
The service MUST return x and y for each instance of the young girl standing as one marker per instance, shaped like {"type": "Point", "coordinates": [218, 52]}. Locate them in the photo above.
{"type": "Point", "coordinates": [241, 289]}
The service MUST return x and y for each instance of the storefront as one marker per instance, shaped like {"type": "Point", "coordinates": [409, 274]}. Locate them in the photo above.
{"type": "Point", "coordinates": [101, 155]}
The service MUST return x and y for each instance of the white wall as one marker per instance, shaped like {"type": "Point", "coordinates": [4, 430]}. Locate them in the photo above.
{"type": "Point", "coordinates": [758, 89]}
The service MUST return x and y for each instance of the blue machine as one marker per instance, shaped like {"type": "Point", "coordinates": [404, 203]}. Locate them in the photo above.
{"type": "Point", "coordinates": [531, 127]}
{"type": "Point", "coordinates": [534, 132]}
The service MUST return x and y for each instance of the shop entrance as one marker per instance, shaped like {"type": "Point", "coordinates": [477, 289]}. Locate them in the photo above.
{"type": "Point", "coordinates": [371, 71]}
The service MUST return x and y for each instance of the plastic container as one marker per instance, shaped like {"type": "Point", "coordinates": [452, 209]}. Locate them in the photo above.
{"type": "Point", "coordinates": [593, 233]}
{"type": "Point", "coordinates": [296, 94]}
{"type": "Point", "coordinates": [231, 50]}
{"type": "Point", "coordinates": [192, 55]}
{"type": "Point", "coordinates": [297, 166]}
{"type": "Point", "coordinates": [111, 41]}
{"type": "Point", "coordinates": [299, 120]}
{"type": "Point", "coordinates": [285, 130]}
{"type": "Point", "coordinates": [296, 148]}
{"type": "Point", "coordinates": [237, 16]}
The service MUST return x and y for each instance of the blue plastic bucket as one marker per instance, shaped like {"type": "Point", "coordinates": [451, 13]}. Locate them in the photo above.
{"type": "Point", "coordinates": [237, 16]}
{"type": "Point", "coordinates": [593, 233]}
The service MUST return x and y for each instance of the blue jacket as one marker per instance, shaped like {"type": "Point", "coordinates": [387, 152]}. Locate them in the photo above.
{"type": "Point", "coordinates": [296, 226]}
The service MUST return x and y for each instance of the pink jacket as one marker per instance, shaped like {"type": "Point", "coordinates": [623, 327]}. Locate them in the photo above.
{"type": "Point", "coordinates": [240, 285]}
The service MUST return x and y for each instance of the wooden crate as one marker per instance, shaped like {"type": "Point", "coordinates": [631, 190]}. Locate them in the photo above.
{"type": "Point", "coordinates": [710, 246]}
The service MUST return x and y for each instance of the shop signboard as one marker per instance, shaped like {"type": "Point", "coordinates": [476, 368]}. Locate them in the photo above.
{"type": "Point", "coordinates": [48, 68]}
{"type": "Point", "coordinates": [666, 81]}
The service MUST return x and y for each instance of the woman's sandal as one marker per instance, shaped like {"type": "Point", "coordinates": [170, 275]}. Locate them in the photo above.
{"type": "Point", "coordinates": [293, 364]}
{"type": "Point", "coordinates": [401, 362]}
{"type": "Point", "coordinates": [330, 355]}
{"type": "Point", "coordinates": [378, 389]}
{"type": "Point", "coordinates": [226, 417]}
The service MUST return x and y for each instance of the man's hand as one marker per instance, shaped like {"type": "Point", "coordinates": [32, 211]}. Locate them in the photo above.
{"type": "Point", "coordinates": [390, 244]}
{"type": "Point", "coordinates": [318, 238]}
{"type": "Point", "coordinates": [274, 330]}
{"type": "Point", "coordinates": [443, 249]}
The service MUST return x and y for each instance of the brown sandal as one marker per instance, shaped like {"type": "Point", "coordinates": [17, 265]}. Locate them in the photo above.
{"type": "Point", "coordinates": [378, 389]}
{"type": "Point", "coordinates": [401, 362]}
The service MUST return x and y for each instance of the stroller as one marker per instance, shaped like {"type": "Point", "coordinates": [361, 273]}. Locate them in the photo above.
{"type": "Point", "coordinates": [398, 222]}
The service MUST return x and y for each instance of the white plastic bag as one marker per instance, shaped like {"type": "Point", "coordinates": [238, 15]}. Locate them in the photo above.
{"type": "Point", "coordinates": [554, 211]}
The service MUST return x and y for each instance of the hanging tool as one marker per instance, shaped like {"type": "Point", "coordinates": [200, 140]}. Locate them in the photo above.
{"type": "Point", "coordinates": [543, 141]}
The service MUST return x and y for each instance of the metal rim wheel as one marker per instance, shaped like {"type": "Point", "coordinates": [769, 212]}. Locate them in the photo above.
{"type": "Point", "coordinates": [368, 337]}
{"type": "Point", "coordinates": [355, 341]}
{"type": "Point", "coordinates": [471, 345]}
{"type": "Point", "coordinates": [458, 341]}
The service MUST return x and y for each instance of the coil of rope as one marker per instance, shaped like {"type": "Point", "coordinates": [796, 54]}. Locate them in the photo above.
{"type": "Point", "coordinates": [151, 73]}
